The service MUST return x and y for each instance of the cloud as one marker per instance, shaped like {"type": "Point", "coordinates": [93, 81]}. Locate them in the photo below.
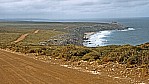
{"type": "Point", "coordinates": [9, 1]}
{"type": "Point", "coordinates": [71, 8]}
{"type": "Point", "coordinates": [132, 3]}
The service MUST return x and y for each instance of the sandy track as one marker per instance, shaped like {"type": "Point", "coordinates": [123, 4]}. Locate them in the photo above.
{"type": "Point", "coordinates": [35, 32]}
{"type": "Point", "coordinates": [19, 69]}
{"type": "Point", "coordinates": [22, 37]}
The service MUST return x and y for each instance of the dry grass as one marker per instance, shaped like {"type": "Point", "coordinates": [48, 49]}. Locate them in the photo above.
{"type": "Point", "coordinates": [8, 37]}
{"type": "Point", "coordinates": [42, 35]}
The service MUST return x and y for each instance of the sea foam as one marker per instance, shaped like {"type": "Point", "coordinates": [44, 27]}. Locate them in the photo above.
{"type": "Point", "coordinates": [97, 39]}
{"type": "Point", "coordinates": [129, 29]}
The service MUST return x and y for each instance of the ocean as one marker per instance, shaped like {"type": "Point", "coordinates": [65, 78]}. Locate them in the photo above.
{"type": "Point", "coordinates": [138, 33]}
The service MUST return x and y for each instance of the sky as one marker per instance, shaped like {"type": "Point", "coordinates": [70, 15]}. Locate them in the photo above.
{"type": "Point", "coordinates": [73, 9]}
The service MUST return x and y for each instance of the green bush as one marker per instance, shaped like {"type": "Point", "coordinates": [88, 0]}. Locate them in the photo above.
{"type": "Point", "coordinates": [133, 60]}
{"type": "Point", "coordinates": [92, 55]}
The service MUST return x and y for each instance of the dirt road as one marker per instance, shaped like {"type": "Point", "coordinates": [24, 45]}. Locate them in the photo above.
{"type": "Point", "coordinates": [35, 32]}
{"type": "Point", "coordinates": [22, 37]}
{"type": "Point", "coordinates": [19, 69]}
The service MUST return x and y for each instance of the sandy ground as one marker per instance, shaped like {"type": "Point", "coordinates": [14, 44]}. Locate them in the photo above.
{"type": "Point", "coordinates": [66, 27]}
{"type": "Point", "coordinates": [20, 69]}
{"type": "Point", "coordinates": [22, 37]}
{"type": "Point", "coordinates": [35, 32]}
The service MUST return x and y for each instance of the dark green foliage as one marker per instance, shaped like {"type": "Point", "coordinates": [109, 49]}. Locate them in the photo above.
{"type": "Point", "coordinates": [126, 54]}
{"type": "Point", "coordinates": [92, 55]}
{"type": "Point", "coordinates": [70, 51]}
{"type": "Point", "coordinates": [133, 60]}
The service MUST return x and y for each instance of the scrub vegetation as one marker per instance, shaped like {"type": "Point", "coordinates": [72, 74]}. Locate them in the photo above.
{"type": "Point", "coordinates": [123, 54]}
{"type": "Point", "coordinates": [61, 43]}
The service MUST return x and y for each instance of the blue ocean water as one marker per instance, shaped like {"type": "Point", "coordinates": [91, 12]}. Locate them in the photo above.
{"type": "Point", "coordinates": [138, 33]}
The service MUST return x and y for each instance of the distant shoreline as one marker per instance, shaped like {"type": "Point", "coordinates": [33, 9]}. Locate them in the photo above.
{"type": "Point", "coordinates": [66, 20]}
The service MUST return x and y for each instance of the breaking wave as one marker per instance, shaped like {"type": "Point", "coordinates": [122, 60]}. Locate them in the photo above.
{"type": "Point", "coordinates": [100, 38]}
{"type": "Point", "coordinates": [129, 29]}
{"type": "Point", "coordinates": [97, 39]}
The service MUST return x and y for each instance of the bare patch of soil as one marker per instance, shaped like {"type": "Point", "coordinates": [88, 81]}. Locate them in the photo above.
{"type": "Point", "coordinates": [35, 32]}
{"type": "Point", "coordinates": [22, 37]}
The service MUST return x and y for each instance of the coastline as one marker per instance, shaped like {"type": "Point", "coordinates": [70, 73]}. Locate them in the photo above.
{"type": "Point", "coordinates": [102, 38]}
{"type": "Point", "coordinates": [77, 35]}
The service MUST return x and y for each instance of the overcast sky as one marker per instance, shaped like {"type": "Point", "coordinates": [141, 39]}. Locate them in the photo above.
{"type": "Point", "coordinates": [73, 9]}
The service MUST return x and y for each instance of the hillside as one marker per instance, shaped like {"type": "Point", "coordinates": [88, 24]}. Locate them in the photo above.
{"type": "Point", "coordinates": [61, 44]}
